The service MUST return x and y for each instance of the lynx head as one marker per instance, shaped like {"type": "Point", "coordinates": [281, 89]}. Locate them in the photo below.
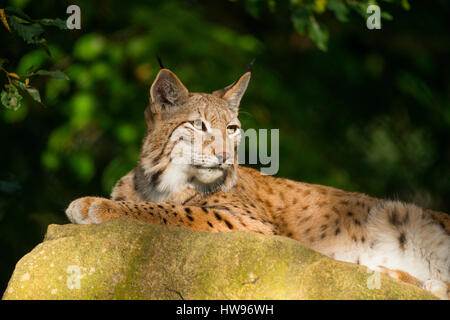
{"type": "Point", "coordinates": [191, 140]}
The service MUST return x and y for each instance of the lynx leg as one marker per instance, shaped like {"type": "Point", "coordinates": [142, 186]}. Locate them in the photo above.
{"type": "Point", "coordinates": [77, 210]}
{"type": "Point", "coordinates": [401, 276]}
{"type": "Point", "coordinates": [440, 289]}
{"type": "Point", "coordinates": [86, 210]}
{"type": "Point", "coordinates": [98, 210]}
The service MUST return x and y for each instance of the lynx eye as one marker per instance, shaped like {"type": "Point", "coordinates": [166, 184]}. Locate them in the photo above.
{"type": "Point", "coordinates": [232, 129]}
{"type": "Point", "coordinates": [199, 125]}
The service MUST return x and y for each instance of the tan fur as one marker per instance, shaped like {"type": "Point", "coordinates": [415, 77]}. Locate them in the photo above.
{"type": "Point", "coordinates": [325, 219]}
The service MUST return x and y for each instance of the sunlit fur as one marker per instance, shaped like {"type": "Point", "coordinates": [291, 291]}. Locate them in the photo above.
{"type": "Point", "coordinates": [180, 182]}
{"type": "Point", "coordinates": [185, 156]}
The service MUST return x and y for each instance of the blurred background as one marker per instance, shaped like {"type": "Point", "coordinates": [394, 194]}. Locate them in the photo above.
{"type": "Point", "coordinates": [370, 114]}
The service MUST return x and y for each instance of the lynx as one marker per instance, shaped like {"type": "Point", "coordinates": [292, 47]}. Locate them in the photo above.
{"type": "Point", "coordinates": [200, 186]}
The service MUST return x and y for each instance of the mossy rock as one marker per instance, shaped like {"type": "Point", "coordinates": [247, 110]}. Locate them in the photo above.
{"type": "Point", "coordinates": [125, 259]}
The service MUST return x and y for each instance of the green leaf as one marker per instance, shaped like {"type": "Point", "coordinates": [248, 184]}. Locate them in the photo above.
{"type": "Point", "coordinates": [44, 45]}
{"type": "Point", "coordinates": [17, 12]}
{"type": "Point", "coordinates": [387, 15]}
{"type": "Point", "coordinates": [406, 5]}
{"type": "Point", "coordinates": [11, 97]}
{"type": "Point", "coordinates": [33, 92]}
{"type": "Point", "coordinates": [30, 32]}
{"type": "Point", "coordinates": [57, 74]}
{"type": "Point", "coordinates": [320, 6]}
{"type": "Point", "coordinates": [20, 85]}
{"type": "Point", "coordinates": [304, 21]}
{"type": "Point", "coordinates": [61, 24]}
{"type": "Point", "coordinates": [340, 10]}
{"type": "Point", "coordinates": [300, 19]}
{"type": "Point", "coordinates": [359, 7]}
{"type": "Point", "coordinates": [319, 34]}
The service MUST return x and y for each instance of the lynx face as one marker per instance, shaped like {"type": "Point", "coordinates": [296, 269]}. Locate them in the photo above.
{"type": "Point", "coordinates": [191, 140]}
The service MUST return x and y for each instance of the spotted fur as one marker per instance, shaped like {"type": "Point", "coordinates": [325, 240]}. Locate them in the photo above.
{"type": "Point", "coordinates": [209, 193]}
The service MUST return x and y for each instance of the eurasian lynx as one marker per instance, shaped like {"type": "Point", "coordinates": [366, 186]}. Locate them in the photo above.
{"type": "Point", "coordinates": [179, 183]}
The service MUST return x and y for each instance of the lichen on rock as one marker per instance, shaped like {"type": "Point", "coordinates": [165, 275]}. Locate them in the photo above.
{"type": "Point", "coordinates": [126, 259]}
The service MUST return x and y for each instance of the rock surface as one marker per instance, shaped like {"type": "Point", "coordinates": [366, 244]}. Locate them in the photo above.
{"type": "Point", "coordinates": [125, 259]}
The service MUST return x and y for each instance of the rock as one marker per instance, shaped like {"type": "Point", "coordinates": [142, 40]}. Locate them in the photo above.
{"type": "Point", "coordinates": [125, 259]}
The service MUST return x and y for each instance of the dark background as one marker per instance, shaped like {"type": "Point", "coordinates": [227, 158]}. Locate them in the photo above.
{"type": "Point", "coordinates": [372, 114]}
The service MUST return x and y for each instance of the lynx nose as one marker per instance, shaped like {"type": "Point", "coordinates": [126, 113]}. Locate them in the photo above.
{"type": "Point", "coordinates": [222, 157]}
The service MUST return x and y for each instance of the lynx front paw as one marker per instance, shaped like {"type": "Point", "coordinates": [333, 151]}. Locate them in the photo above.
{"type": "Point", "coordinates": [91, 210]}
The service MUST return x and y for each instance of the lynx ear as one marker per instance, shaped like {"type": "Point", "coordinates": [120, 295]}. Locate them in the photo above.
{"type": "Point", "coordinates": [234, 92]}
{"type": "Point", "coordinates": [166, 91]}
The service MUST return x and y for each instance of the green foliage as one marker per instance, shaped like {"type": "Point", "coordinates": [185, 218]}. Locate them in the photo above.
{"type": "Point", "coordinates": [305, 12]}
{"type": "Point", "coordinates": [33, 92]}
{"type": "Point", "coordinates": [305, 22]}
{"type": "Point", "coordinates": [10, 97]}
{"type": "Point", "coordinates": [57, 74]}
{"type": "Point", "coordinates": [372, 114]}
{"type": "Point", "coordinates": [31, 31]}
{"type": "Point", "coordinates": [340, 10]}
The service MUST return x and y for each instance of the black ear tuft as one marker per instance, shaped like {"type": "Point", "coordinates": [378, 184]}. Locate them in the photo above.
{"type": "Point", "coordinates": [250, 66]}
{"type": "Point", "coordinates": [160, 62]}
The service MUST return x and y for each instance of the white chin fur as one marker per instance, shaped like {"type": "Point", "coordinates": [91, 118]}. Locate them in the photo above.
{"type": "Point", "coordinates": [175, 178]}
{"type": "Point", "coordinates": [207, 176]}
{"type": "Point", "coordinates": [178, 176]}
